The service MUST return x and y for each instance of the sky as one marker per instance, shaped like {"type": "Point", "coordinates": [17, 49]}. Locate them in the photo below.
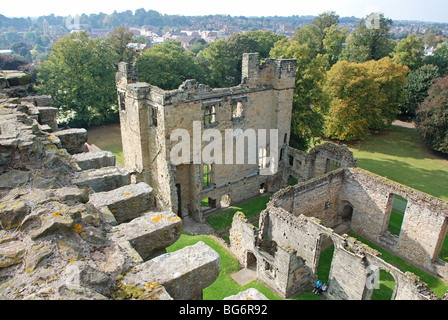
{"type": "Point", "coordinates": [427, 10]}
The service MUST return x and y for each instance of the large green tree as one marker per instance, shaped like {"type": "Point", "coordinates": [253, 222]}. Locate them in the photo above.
{"type": "Point", "coordinates": [167, 66]}
{"type": "Point", "coordinates": [322, 35]}
{"type": "Point", "coordinates": [432, 116]}
{"type": "Point", "coordinates": [118, 41]}
{"type": "Point", "coordinates": [409, 52]}
{"type": "Point", "coordinates": [416, 89]}
{"type": "Point", "coordinates": [371, 40]}
{"type": "Point", "coordinates": [310, 102]}
{"type": "Point", "coordinates": [221, 62]}
{"type": "Point", "coordinates": [439, 58]}
{"type": "Point", "coordinates": [80, 76]}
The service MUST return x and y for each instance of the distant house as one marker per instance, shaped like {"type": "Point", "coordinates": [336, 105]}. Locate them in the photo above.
{"type": "Point", "coordinates": [99, 33]}
{"type": "Point", "coordinates": [138, 46]}
{"type": "Point", "coordinates": [186, 41]}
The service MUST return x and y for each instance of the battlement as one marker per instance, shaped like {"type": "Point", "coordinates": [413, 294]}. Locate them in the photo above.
{"type": "Point", "coordinates": [280, 73]}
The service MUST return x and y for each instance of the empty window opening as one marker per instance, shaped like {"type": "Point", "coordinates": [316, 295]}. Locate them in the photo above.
{"type": "Point", "coordinates": [237, 109]}
{"type": "Point", "coordinates": [263, 158]}
{"type": "Point", "coordinates": [208, 203]}
{"type": "Point", "coordinates": [122, 99]}
{"type": "Point", "coordinates": [207, 170]}
{"type": "Point", "coordinates": [291, 160]}
{"type": "Point", "coordinates": [270, 270]}
{"type": "Point", "coordinates": [398, 209]}
{"type": "Point", "coordinates": [332, 165]}
{"type": "Point", "coordinates": [209, 114]}
{"type": "Point", "coordinates": [263, 188]}
{"type": "Point", "coordinates": [153, 116]}
{"type": "Point", "coordinates": [442, 249]}
{"type": "Point", "coordinates": [347, 211]}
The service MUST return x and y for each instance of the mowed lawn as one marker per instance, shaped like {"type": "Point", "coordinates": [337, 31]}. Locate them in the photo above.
{"type": "Point", "coordinates": [400, 155]}
{"type": "Point", "coordinates": [107, 138]}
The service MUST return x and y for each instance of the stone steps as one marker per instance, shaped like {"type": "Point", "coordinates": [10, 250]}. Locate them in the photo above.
{"type": "Point", "coordinates": [151, 233]}
{"type": "Point", "coordinates": [102, 179]}
{"type": "Point", "coordinates": [126, 203]}
{"type": "Point", "coordinates": [183, 273]}
{"type": "Point", "coordinates": [94, 160]}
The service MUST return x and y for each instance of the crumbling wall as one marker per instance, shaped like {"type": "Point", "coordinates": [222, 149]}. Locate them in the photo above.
{"type": "Point", "coordinates": [149, 115]}
{"type": "Point", "coordinates": [424, 226]}
{"type": "Point", "coordinates": [287, 254]}
{"type": "Point", "coordinates": [318, 197]}
{"type": "Point", "coordinates": [308, 165]}
{"type": "Point", "coordinates": [70, 231]}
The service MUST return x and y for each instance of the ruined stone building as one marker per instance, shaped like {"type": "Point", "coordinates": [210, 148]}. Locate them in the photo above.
{"type": "Point", "coordinates": [149, 115]}
{"type": "Point", "coordinates": [73, 226]}
{"type": "Point", "coordinates": [332, 198]}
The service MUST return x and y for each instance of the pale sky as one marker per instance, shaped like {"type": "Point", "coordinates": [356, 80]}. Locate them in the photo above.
{"type": "Point", "coordinates": [428, 10]}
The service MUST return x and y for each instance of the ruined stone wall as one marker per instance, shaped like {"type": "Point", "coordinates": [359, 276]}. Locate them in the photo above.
{"type": "Point", "coordinates": [264, 101]}
{"type": "Point", "coordinates": [424, 225]}
{"type": "Point", "coordinates": [287, 255]}
{"type": "Point", "coordinates": [74, 227]}
{"type": "Point", "coordinates": [312, 164]}
{"type": "Point", "coordinates": [317, 198]}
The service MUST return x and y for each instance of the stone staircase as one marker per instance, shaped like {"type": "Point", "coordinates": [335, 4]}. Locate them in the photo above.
{"type": "Point", "coordinates": [145, 233]}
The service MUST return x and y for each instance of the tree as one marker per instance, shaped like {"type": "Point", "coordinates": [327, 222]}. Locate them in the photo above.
{"type": "Point", "coordinates": [265, 41]}
{"type": "Point", "coordinates": [118, 41]}
{"type": "Point", "coordinates": [439, 58]}
{"type": "Point", "coordinates": [333, 42]}
{"type": "Point", "coordinates": [198, 45]}
{"type": "Point", "coordinates": [80, 76]}
{"type": "Point", "coordinates": [21, 49]}
{"type": "Point", "coordinates": [409, 52]}
{"type": "Point", "coordinates": [364, 96]}
{"type": "Point", "coordinates": [432, 116]}
{"type": "Point", "coordinates": [309, 102]}
{"type": "Point", "coordinates": [419, 82]}
{"type": "Point", "coordinates": [222, 60]}
{"type": "Point", "coordinates": [167, 66]}
{"type": "Point", "coordinates": [322, 27]}
{"type": "Point", "coordinates": [370, 40]}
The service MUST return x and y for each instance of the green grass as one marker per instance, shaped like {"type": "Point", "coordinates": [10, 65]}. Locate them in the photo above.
{"type": "Point", "coordinates": [223, 219]}
{"type": "Point", "coordinates": [438, 286]}
{"type": "Point", "coordinates": [387, 286]}
{"type": "Point", "coordinates": [323, 269]}
{"type": "Point", "coordinates": [224, 286]}
{"type": "Point", "coordinates": [395, 222]}
{"type": "Point", "coordinates": [401, 156]}
{"type": "Point", "coordinates": [107, 138]}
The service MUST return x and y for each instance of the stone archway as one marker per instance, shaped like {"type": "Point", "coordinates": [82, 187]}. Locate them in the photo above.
{"type": "Point", "coordinates": [251, 261]}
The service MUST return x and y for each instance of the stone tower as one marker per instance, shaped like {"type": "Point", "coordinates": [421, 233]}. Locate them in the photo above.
{"type": "Point", "coordinates": [149, 116]}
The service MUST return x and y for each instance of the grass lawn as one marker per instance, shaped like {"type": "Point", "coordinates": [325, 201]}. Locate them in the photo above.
{"type": "Point", "coordinates": [223, 219]}
{"type": "Point", "coordinates": [107, 138]}
{"type": "Point", "coordinates": [401, 156]}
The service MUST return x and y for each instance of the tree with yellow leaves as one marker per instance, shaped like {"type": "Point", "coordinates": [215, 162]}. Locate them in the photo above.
{"type": "Point", "coordinates": [364, 96]}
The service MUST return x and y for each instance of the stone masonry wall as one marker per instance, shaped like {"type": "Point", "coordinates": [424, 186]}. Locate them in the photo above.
{"type": "Point", "coordinates": [265, 90]}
